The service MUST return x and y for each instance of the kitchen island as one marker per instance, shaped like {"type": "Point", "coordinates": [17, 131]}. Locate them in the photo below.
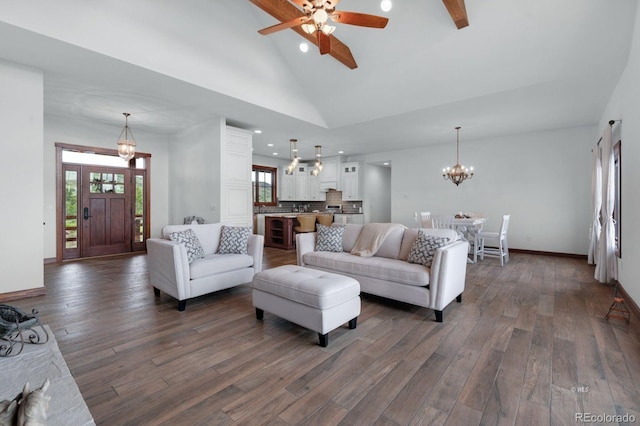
{"type": "Point", "coordinates": [278, 231]}
{"type": "Point", "coordinates": [278, 228]}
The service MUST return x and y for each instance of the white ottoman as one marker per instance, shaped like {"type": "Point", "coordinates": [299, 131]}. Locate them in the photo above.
{"type": "Point", "coordinates": [318, 300]}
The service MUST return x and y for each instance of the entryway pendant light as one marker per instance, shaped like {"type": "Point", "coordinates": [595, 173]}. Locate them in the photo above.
{"type": "Point", "coordinates": [293, 156]}
{"type": "Point", "coordinates": [458, 173]}
{"type": "Point", "coordinates": [126, 141]}
{"type": "Point", "coordinates": [317, 168]}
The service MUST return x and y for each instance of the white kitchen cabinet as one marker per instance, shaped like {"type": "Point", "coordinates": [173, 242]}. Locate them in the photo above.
{"type": "Point", "coordinates": [300, 175]}
{"type": "Point", "coordinates": [348, 218]}
{"type": "Point", "coordinates": [287, 188]}
{"type": "Point", "coordinates": [351, 181]}
{"type": "Point", "coordinates": [330, 175]}
{"type": "Point", "coordinates": [313, 188]}
{"type": "Point", "coordinates": [300, 186]}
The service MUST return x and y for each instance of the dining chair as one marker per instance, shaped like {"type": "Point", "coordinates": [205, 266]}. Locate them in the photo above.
{"type": "Point", "coordinates": [423, 219]}
{"type": "Point", "coordinates": [495, 238]}
{"type": "Point", "coordinates": [443, 222]}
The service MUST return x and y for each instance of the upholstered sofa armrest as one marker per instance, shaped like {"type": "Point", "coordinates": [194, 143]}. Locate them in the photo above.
{"type": "Point", "coordinates": [305, 243]}
{"type": "Point", "coordinates": [255, 248]}
{"type": "Point", "coordinates": [448, 274]}
{"type": "Point", "coordinates": [168, 267]}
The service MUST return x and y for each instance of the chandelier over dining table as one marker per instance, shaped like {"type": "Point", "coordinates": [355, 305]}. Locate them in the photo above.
{"type": "Point", "coordinates": [458, 173]}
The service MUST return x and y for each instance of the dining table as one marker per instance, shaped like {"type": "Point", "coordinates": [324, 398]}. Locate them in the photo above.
{"type": "Point", "coordinates": [467, 226]}
{"type": "Point", "coordinates": [469, 221]}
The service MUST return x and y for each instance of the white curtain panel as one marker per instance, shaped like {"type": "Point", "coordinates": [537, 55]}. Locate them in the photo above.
{"type": "Point", "coordinates": [607, 264]}
{"type": "Point", "coordinates": [596, 198]}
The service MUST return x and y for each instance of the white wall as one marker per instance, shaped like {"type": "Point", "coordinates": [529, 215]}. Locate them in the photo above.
{"type": "Point", "coordinates": [625, 105]}
{"type": "Point", "coordinates": [262, 160]}
{"type": "Point", "coordinates": [21, 121]}
{"type": "Point", "coordinates": [194, 183]}
{"type": "Point", "coordinates": [108, 28]}
{"type": "Point", "coordinates": [376, 202]}
{"type": "Point", "coordinates": [77, 132]}
{"type": "Point", "coordinates": [542, 179]}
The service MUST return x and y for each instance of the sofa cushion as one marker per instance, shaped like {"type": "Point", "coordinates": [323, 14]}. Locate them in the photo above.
{"type": "Point", "coordinates": [219, 263]}
{"type": "Point", "coordinates": [375, 267]}
{"type": "Point", "coordinates": [190, 242]}
{"type": "Point", "coordinates": [390, 247]}
{"type": "Point", "coordinates": [233, 240]}
{"type": "Point", "coordinates": [208, 234]}
{"type": "Point", "coordinates": [424, 248]}
{"type": "Point", "coordinates": [329, 238]}
{"type": "Point", "coordinates": [410, 236]}
{"type": "Point", "coordinates": [351, 234]}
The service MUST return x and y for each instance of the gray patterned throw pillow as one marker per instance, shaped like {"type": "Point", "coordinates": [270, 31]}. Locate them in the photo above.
{"type": "Point", "coordinates": [424, 248]}
{"type": "Point", "coordinates": [329, 238]}
{"type": "Point", "coordinates": [190, 241]}
{"type": "Point", "coordinates": [233, 240]}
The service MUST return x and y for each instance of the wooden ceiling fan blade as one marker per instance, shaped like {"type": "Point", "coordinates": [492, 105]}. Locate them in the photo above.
{"type": "Point", "coordinates": [324, 42]}
{"type": "Point", "coordinates": [342, 53]}
{"type": "Point", "coordinates": [284, 11]}
{"type": "Point", "coordinates": [360, 19]}
{"type": "Point", "coordinates": [284, 25]}
{"type": "Point", "coordinates": [339, 50]}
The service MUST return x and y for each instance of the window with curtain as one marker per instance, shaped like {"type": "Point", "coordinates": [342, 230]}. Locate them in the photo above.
{"type": "Point", "coordinates": [264, 180]}
{"type": "Point", "coordinates": [617, 210]}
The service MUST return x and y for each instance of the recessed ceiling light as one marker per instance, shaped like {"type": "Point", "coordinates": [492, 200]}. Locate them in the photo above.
{"type": "Point", "coordinates": [340, 152]}
{"type": "Point", "coordinates": [304, 47]}
{"type": "Point", "coordinates": [386, 5]}
{"type": "Point", "coordinates": [269, 144]}
{"type": "Point", "coordinates": [257, 131]}
{"type": "Point", "coordinates": [275, 153]}
{"type": "Point", "coordinates": [386, 163]}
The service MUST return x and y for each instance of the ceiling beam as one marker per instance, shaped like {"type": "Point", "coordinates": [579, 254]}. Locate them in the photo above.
{"type": "Point", "coordinates": [284, 11]}
{"type": "Point", "coordinates": [458, 12]}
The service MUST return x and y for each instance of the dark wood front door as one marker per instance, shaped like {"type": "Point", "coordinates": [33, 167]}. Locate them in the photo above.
{"type": "Point", "coordinates": [106, 211]}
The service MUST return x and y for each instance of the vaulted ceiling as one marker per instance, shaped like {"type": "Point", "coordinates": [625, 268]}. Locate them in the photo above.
{"type": "Point", "coordinates": [520, 66]}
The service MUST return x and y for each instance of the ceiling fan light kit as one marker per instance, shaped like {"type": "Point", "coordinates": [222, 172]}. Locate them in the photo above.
{"type": "Point", "coordinates": [313, 19]}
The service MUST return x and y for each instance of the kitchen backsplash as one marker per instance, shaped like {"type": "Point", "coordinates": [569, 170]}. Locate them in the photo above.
{"type": "Point", "coordinates": [332, 197]}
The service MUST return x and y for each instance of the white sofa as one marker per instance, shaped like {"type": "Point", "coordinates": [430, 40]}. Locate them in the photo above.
{"type": "Point", "coordinates": [388, 273]}
{"type": "Point", "coordinates": [170, 271]}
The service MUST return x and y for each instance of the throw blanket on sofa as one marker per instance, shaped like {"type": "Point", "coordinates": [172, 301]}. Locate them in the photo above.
{"type": "Point", "coordinates": [372, 236]}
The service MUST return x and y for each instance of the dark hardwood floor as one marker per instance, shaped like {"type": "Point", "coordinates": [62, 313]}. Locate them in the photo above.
{"type": "Point", "coordinates": [528, 345]}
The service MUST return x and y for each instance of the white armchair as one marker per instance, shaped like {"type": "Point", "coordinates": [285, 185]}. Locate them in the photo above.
{"type": "Point", "coordinates": [171, 272]}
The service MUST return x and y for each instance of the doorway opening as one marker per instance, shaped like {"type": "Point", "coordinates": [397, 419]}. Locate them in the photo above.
{"type": "Point", "coordinates": [102, 203]}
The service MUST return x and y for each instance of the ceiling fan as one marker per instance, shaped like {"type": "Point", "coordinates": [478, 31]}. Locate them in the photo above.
{"type": "Point", "coordinates": [312, 22]}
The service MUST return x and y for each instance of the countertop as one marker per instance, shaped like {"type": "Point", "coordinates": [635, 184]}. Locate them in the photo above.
{"type": "Point", "coordinates": [292, 214]}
